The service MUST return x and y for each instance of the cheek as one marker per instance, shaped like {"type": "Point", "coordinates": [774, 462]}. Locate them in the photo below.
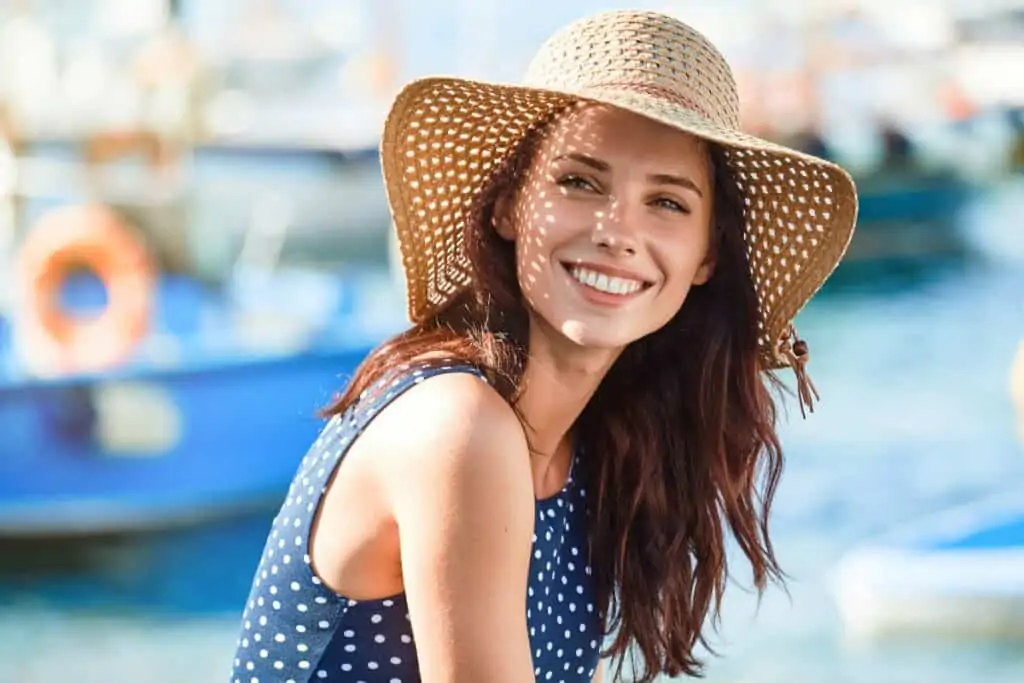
{"type": "Point", "coordinates": [532, 258]}
{"type": "Point", "coordinates": [540, 229]}
{"type": "Point", "coordinates": [682, 259]}
{"type": "Point", "coordinates": [528, 268]}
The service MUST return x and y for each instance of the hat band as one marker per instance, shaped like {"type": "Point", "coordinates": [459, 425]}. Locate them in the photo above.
{"type": "Point", "coordinates": [661, 93]}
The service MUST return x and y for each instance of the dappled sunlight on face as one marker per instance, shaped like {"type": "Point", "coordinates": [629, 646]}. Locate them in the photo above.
{"type": "Point", "coordinates": [611, 225]}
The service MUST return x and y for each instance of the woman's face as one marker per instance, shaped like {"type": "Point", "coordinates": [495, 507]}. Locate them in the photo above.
{"type": "Point", "coordinates": [612, 225]}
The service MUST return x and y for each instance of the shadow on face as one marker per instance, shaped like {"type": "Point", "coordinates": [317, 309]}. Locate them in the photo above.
{"type": "Point", "coordinates": [611, 222]}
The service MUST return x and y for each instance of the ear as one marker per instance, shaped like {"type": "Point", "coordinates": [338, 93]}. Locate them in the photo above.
{"type": "Point", "coordinates": [707, 267]}
{"type": "Point", "coordinates": [501, 217]}
{"type": "Point", "coordinates": [704, 273]}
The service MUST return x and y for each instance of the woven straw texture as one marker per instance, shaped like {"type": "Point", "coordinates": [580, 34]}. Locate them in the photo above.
{"type": "Point", "coordinates": [444, 138]}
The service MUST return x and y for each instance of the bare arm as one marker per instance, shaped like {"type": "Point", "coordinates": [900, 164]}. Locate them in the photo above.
{"type": "Point", "coordinates": [598, 673]}
{"type": "Point", "coordinates": [460, 489]}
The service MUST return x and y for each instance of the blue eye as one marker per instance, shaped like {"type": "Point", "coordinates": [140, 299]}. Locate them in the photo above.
{"type": "Point", "coordinates": [671, 205]}
{"type": "Point", "coordinates": [575, 182]}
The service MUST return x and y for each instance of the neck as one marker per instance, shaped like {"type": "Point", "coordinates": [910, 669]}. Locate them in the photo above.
{"type": "Point", "coordinates": [559, 380]}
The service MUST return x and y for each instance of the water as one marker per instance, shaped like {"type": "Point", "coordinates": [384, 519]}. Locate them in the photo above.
{"type": "Point", "coordinates": [915, 417]}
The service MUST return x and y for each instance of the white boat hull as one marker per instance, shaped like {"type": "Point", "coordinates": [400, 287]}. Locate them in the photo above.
{"type": "Point", "coordinates": [957, 574]}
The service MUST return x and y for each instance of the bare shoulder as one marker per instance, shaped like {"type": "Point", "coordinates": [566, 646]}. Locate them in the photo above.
{"type": "Point", "coordinates": [454, 426]}
{"type": "Point", "coordinates": [456, 474]}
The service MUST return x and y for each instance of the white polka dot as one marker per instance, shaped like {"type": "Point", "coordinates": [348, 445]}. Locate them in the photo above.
{"type": "Point", "coordinates": [552, 610]}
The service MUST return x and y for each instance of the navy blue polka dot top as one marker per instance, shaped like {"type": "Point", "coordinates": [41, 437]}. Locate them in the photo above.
{"type": "Point", "coordinates": [294, 628]}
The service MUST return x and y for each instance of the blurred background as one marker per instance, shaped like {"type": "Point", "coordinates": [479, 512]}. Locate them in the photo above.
{"type": "Point", "coordinates": [208, 169]}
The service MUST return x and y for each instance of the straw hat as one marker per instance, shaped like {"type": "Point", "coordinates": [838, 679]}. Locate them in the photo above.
{"type": "Point", "coordinates": [445, 137]}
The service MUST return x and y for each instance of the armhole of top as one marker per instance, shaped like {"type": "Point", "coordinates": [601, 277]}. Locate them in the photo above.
{"type": "Point", "coordinates": [357, 418]}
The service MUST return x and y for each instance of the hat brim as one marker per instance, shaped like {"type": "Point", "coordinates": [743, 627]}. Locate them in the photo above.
{"type": "Point", "coordinates": [444, 138]}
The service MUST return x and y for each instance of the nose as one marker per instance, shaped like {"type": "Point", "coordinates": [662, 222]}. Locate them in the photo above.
{"type": "Point", "coordinates": [612, 234]}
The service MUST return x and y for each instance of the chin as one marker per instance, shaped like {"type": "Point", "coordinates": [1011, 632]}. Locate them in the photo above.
{"type": "Point", "coordinates": [596, 336]}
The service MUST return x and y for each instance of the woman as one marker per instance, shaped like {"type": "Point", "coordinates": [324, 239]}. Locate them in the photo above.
{"type": "Point", "coordinates": [600, 269]}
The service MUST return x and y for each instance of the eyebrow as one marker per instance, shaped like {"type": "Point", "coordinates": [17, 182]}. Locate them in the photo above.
{"type": "Point", "coordinates": [660, 178]}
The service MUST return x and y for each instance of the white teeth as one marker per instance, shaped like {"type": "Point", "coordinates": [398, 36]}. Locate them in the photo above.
{"type": "Point", "coordinates": [605, 283]}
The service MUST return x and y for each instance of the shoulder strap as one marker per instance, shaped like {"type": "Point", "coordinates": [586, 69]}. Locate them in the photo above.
{"type": "Point", "coordinates": [396, 382]}
{"type": "Point", "coordinates": [341, 430]}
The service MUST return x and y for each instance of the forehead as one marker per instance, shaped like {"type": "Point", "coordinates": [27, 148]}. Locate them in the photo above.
{"type": "Point", "coordinates": [612, 133]}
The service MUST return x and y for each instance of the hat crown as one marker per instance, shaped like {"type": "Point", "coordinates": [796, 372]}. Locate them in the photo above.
{"type": "Point", "coordinates": [644, 52]}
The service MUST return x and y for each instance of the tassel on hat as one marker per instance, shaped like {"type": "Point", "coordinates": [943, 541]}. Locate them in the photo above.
{"type": "Point", "coordinates": [797, 354]}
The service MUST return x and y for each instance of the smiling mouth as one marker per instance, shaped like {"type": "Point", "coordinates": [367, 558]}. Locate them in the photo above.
{"type": "Point", "coordinates": [602, 282]}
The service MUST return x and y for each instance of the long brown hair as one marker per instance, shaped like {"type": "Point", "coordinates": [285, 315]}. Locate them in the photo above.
{"type": "Point", "coordinates": [677, 459]}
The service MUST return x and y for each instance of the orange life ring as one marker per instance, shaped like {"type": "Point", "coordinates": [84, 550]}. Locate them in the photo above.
{"type": "Point", "coordinates": [76, 237]}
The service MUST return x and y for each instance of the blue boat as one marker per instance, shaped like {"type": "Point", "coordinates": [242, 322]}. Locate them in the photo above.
{"type": "Point", "coordinates": [908, 227]}
{"type": "Point", "coordinates": [959, 573]}
{"type": "Point", "coordinates": [268, 230]}
{"type": "Point", "coordinates": [209, 418]}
